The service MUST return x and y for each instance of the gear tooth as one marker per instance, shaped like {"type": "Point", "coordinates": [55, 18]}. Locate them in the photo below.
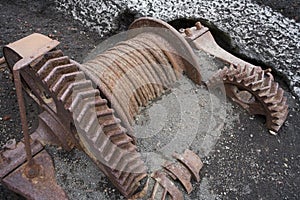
{"type": "Point", "coordinates": [241, 76]}
{"type": "Point", "coordinates": [249, 80]}
{"type": "Point", "coordinates": [278, 108]}
{"type": "Point", "coordinates": [225, 69]}
{"type": "Point", "coordinates": [50, 64]}
{"type": "Point", "coordinates": [274, 89]}
{"type": "Point", "coordinates": [50, 55]}
{"type": "Point", "coordinates": [230, 76]}
{"type": "Point", "coordinates": [80, 96]}
{"type": "Point", "coordinates": [258, 81]}
{"type": "Point", "coordinates": [274, 127]}
{"type": "Point", "coordinates": [270, 75]}
{"type": "Point", "coordinates": [251, 71]}
{"type": "Point", "coordinates": [66, 79]}
{"type": "Point", "coordinates": [277, 115]}
{"type": "Point", "coordinates": [56, 72]}
{"type": "Point", "coordinates": [278, 97]}
{"type": "Point", "coordinates": [246, 69]}
{"type": "Point", "coordinates": [66, 91]}
{"type": "Point", "coordinates": [264, 92]}
{"type": "Point", "coordinates": [265, 88]}
{"type": "Point", "coordinates": [279, 121]}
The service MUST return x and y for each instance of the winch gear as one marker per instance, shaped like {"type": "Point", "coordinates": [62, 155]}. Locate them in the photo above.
{"type": "Point", "coordinates": [255, 90]}
{"type": "Point", "coordinates": [101, 135]}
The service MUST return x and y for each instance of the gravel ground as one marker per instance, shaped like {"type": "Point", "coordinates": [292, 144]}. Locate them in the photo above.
{"type": "Point", "coordinates": [242, 161]}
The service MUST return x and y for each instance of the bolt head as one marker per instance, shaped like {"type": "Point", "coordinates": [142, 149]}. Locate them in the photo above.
{"type": "Point", "coordinates": [198, 25]}
{"type": "Point", "coordinates": [188, 32]}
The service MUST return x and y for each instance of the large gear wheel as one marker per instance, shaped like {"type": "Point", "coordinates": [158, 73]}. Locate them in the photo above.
{"type": "Point", "coordinates": [99, 133]}
{"type": "Point", "coordinates": [255, 90]}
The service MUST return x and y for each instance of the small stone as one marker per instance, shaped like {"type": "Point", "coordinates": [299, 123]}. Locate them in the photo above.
{"type": "Point", "coordinates": [272, 132]}
{"type": "Point", "coordinates": [251, 135]}
{"type": "Point", "coordinates": [6, 117]}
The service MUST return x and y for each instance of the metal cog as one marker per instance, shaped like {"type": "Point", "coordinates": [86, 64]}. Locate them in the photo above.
{"type": "Point", "coordinates": [99, 132]}
{"type": "Point", "coordinates": [255, 90]}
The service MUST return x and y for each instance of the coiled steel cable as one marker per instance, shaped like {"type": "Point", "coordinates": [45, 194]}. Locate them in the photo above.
{"type": "Point", "coordinates": [134, 72]}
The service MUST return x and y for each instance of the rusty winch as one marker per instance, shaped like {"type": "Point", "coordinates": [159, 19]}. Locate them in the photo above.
{"type": "Point", "coordinates": [92, 106]}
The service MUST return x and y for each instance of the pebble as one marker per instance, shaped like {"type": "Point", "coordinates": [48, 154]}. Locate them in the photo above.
{"type": "Point", "coordinates": [272, 132]}
{"type": "Point", "coordinates": [6, 117]}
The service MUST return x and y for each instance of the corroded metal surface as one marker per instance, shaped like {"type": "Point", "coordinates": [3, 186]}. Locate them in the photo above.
{"type": "Point", "coordinates": [125, 74]}
{"type": "Point", "coordinates": [248, 85]}
{"type": "Point", "coordinates": [127, 77]}
{"type": "Point", "coordinates": [256, 91]}
{"type": "Point", "coordinates": [200, 38]}
{"type": "Point", "coordinates": [182, 173]}
{"type": "Point", "coordinates": [138, 70]}
{"type": "Point", "coordinates": [100, 133]}
{"type": "Point", "coordinates": [19, 49]}
{"type": "Point", "coordinates": [189, 166]}
{"type": "Point", "coordinates": [189, 63]}
{"type": "Point", "coordinates": [41, 185]}
{"type": "Point", "coordinates": [15, 156]}
{"type": "Point", "coordinates": [191, 161]}
{"type": "Point", "coordinates": [168, 185]}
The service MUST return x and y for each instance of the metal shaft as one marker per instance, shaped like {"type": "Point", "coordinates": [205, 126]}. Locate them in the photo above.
{"type": "Point", "coordinates": [18, 85]}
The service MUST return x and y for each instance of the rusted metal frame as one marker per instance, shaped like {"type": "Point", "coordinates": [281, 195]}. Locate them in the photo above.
{"type": "Point", "coordinates": [12, 158]}
{"type": "Point", "coordinates": [20, 98]}
{"type": "Point", "coordinates": [25, 62]}
{"type": "Point", "coordinates": [200, 38]}
{"type": "Point", "coordinates": [19, 49]}
{"type": "Point", "coordinates": [39, 181]}
{"type": "Point", "coordinates": [63, 136]}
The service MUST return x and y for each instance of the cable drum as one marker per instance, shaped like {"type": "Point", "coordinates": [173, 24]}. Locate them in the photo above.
{"type": "Point", "coordinates": [136, 71]}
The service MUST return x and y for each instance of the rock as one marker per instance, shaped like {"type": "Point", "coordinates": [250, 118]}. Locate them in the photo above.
{"type": "Point", "coordinates": [6, 117]}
